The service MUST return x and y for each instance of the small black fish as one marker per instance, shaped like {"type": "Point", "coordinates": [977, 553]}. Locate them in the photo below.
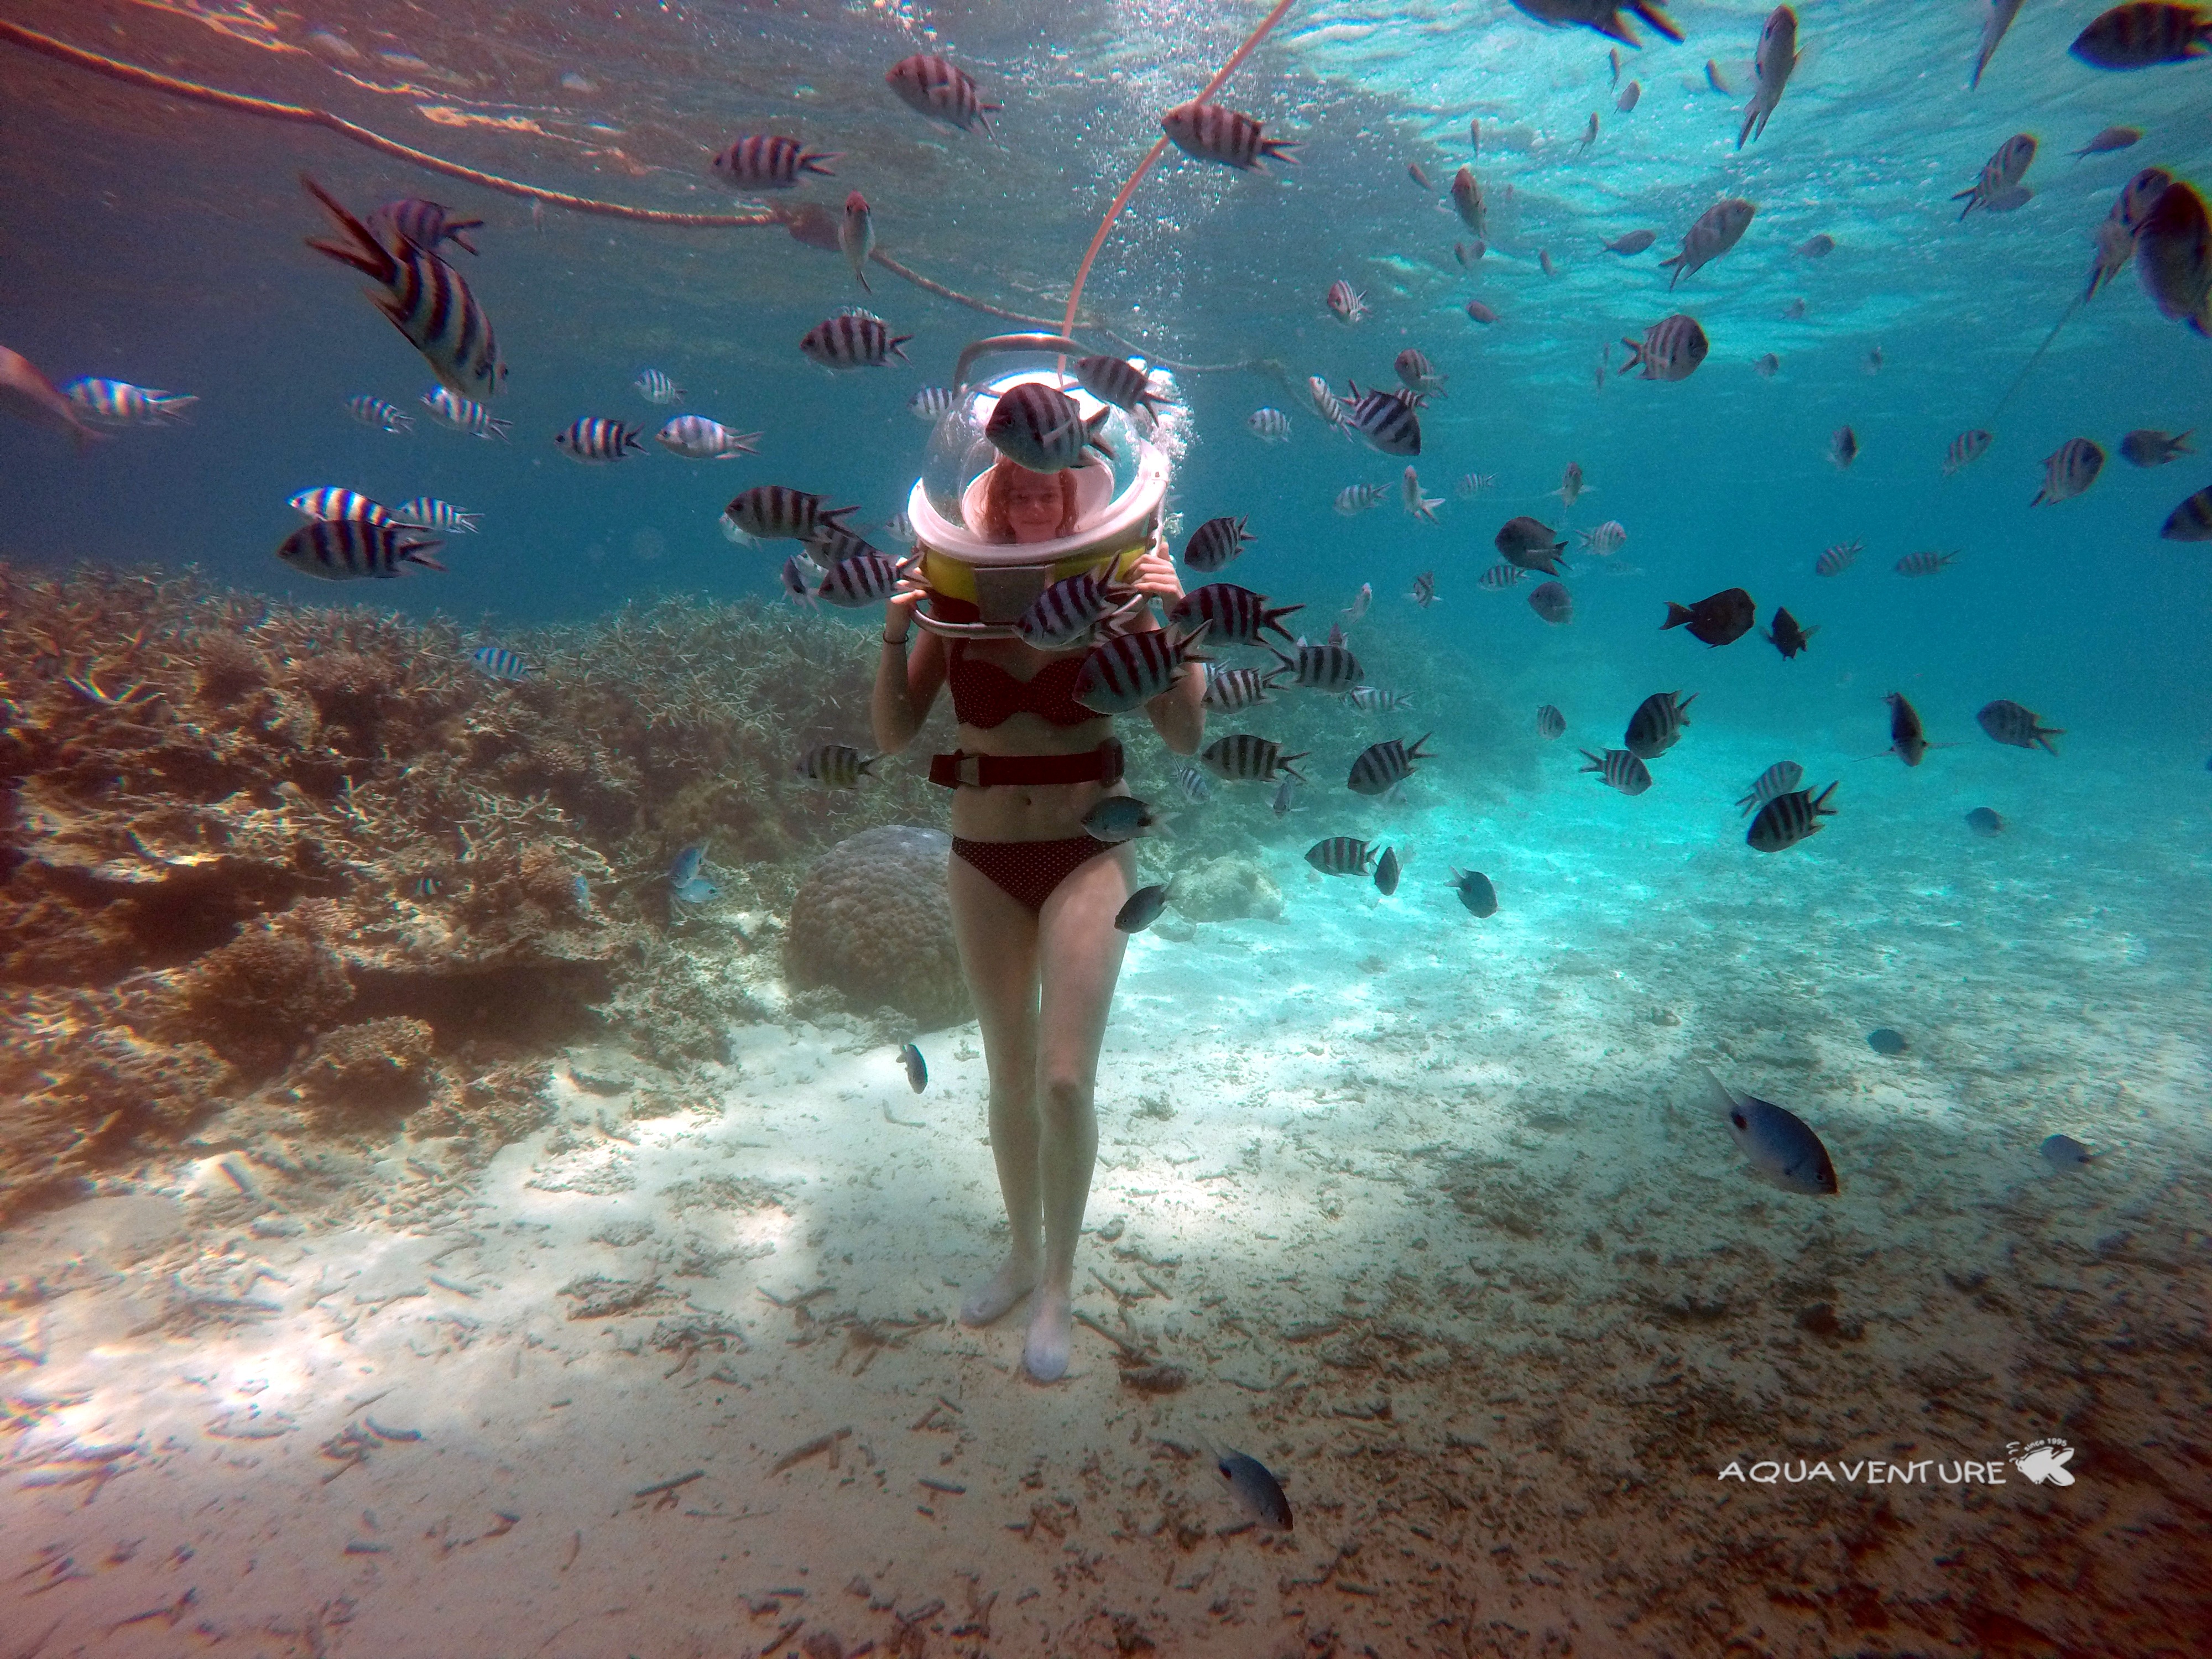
{"type": "Point", "coordinates": [1530, 545]}
{"type": "Point", "coordinates": [1719, 619]}
{"type": "Point", "coordinates": [1788, 635]}
{"type": "Point", "coordinates": [917, 1073]}
{"type": "Point", "coordinates": [1656, 725]}
{"type": "Point", "coordinates": [1475, 892]}
{"type": "Point", "coordinates": [1907, 739]}
{"type": "Point", "coordinates": [1985, 821]}
{"type": "Point", "coordinates": [1386, 872]}
{"type": "Point", "coordinates": [1884, 1040]}
{"type": "Point", "coordinates": [1142, 908]}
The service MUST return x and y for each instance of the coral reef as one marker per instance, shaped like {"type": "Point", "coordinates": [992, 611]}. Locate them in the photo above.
{"type": "Point", "coordinates": [1227, 889]}
{"type": "Point", "coordinates": [313, 858]}
{"type": "Point", "coordinates": [874, 922]}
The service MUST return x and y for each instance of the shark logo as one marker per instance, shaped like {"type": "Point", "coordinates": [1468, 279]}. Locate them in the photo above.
{"type": "Point", "coordinates": [2044, 1462]}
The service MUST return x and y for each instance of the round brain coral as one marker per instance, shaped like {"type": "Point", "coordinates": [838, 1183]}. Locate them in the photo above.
{"type": "Point", "coordinates": [873, 921]}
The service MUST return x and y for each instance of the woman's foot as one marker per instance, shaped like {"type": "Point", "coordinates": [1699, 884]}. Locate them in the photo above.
{"type": "Point", "coordinates": [990, 1301]}
{"type": "Point", "coordinates": [1052, 1332]}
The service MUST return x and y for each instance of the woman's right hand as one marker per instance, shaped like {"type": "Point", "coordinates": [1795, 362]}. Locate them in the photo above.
{"type": "Point", "coordinates": [898, 609]}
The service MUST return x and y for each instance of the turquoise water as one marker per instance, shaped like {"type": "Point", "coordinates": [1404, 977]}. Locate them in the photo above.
{"type": "Point", "coordinates": [1362, 1074]}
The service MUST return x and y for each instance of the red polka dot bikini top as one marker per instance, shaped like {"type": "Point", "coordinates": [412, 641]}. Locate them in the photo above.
{"type": "Point", "coordinates": [984, 694]}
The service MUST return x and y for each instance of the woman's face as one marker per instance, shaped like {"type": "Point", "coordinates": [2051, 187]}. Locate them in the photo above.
{"type": "Point", "coordinates": [1033, 504]}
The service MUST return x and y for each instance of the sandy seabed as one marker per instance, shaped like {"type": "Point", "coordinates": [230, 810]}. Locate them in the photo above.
{"type": "Point", "coordinates": [1426, 1213]}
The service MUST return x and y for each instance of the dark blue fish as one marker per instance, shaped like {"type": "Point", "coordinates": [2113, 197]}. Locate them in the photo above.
{"type": "Point", "coordinates": [1883, 1041]}
{"type": "Point", "coordinates": [1255, 1488]}
{"type": "Point", "coordinates": [2064, 1153]}
{"type": "Point", "coordinates": [1143, 909]}
{"type": "Point", "coordinates": [1985, 821]}
{"type": "Point", "coordinates": [684, 879]}
{"type": "Point", "coordinates": [917, 1073]}
{"type": "Point", "coordinates": [1475, 892]}
{"type": "Point", "coordinates": [1783, 1151]}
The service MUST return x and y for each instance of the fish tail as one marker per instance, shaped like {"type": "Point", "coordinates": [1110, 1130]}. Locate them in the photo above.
{"type": "Point", "coordinates": [1676, 615]}
{"type": "Point", "coordinates": [363, 252]}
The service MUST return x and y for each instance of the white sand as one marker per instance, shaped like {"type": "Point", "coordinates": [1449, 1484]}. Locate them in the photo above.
{"type": "Point", "coordinates": [1428, 1209]}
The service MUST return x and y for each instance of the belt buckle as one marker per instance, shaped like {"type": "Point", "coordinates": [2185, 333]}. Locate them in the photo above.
{"type": "Point", "coordinates": [967, 769]}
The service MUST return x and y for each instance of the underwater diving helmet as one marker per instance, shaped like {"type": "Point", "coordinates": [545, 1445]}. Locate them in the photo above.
{"type": "Point", "coordinates": [1116, 523]}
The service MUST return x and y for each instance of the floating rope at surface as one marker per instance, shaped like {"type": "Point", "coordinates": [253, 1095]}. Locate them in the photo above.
{"type": "Point", "coordinates": [809, 224]}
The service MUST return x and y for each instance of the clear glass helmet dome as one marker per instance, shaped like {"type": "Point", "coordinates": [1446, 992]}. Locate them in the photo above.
{"type": "Point", "coordinates": [1118, 500]}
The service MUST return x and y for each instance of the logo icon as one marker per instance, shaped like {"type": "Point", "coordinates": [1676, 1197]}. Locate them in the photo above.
{"type": "Point", "coordinates": [2043, 1461]}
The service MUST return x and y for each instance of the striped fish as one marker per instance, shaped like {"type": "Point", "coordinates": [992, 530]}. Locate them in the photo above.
{"type": "Point", "coordinates": [1381, 767]}
{"type": "Point", "coordinates": [1118, 381]}
{"type": "Point", "coordinates": [331, 503]}
{"type": "Point", "coordinates": [2008, 722]}
{"type": "Point", "coordinates": [1320, 667]}
{"type": "Point", "coordinates": [1908, 738]}
{"type": "Point", "coordinates": [1358, 498]}
{"type": "Point", "coordinates": [1550, 723]}
{"type": "Point", "coordinates": [1243, 758]}
{"type": "Point", "coordinates": [1235, 614]}
{"type": "Point", "coordinates": [1620, 769]}
{"type": "Point", "coordinates": [464, 414]}
{"type": "Point", "coordinates": [1043, 429]}
{"type": "Point", "coordinates": [593, 438]}
{"type": "Point", "coordinates": [860, 579]}
{"type": "Point", "coordinates": [2192, 521]}
{"type": "Point", "coordinates": [851, 340]}
{"type": "Point", "coordinates": [1471, 484]}
{"type": "Point", "coordinates": [1499, 577]}
{"type": "Point", "coordinates": [2069, 470]}
{"type": "Point", "coordinates": [1925, 562]}
{"type": "Point", "coordinates": [345, 550]}
{"type": "Point", "coordinates": [1840, 557]}
{"type": "Point", "coordinates": [768, 161]}
{"type": "Point", "coordinates": [422, 296]}
{"type": "Point", "coordinates": [656, 387]}
{"type": "Point", "coordinates": [1191, 783]}
{"type": "Point", "coordinates": [1228, 690]}
{"type": "Point", "coordinates": [831, 543]}
{"type": "Point", "coordinates": [1466, 199]}
{"type": "Point", "coordinates": [1326, 403]}
{"type": "Point", "coordinates": [422, 223]}
{"type": "Point", "coordinates": [1788, 819]}
{"type": "Point", "coordinates": [374, 412]}
{"type": "Point", "coordinates": [834, 765]}
{"type": "Point", "coordinates": [1269, 426]}
{"type": "Point", "coordinates": [1214, 543]}
{"type": "Point", "coordinates": [1341, 855]}
{"type": "Point", "coordinates": [2138, 36]}
{"type": "Point", "coordinates": [931, 87]}
{"type": "Point", "coordinates": [1718, 228]}
{"type": "Point", "coordinates": [1671, 349]}
{"type": "Point", "coordinates": [1779, 779]}
{"type": "Point", "coordinates": [1130, 670]}
{"type": "Point", "coordinates": [932, 403]}
{"type": "Point", "coordinates": [1965, 449]}
{"type": "Point", "coordinates": [1387, 421]}
{"type": "Point", "coordinates": [2000, 174]}
{"type": "Point", "coordinates": [2115, 235]}
{"type": "Point", "coordinates": [1349, 306]}
{"type": "Point", "coordinates": [1068, 610]}
{"type": "Point", "coordinates": [428, 512]}
{"type": "Point", "coordinates": [118, 403]}
{"type": "Point", "coordinates": [1425, 589]}
{"type": "Point", "coordinates": [1212, 132]}
{"type": "Point", "coordinates": [1656, 725]}
{"type": "Point", "coordinates": [776, 514]}
{"type": "Point", "coordinates": [1606, 539]}
{"type": "Point", "coordinates": [499, 663]}
{"type": "Point", "coordinates": [698, 439]}
{"type": "Point", "coordinates": [1374, 700]}
{"type": "Point", "coordinates": [1552, 601]}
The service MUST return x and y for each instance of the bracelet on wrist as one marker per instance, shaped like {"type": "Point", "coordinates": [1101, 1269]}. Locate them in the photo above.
{"type": "Point", "coordinates": [888, 640]}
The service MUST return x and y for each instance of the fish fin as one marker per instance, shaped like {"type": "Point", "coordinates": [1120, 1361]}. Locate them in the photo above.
{"type": "Point", "coordinates": [1725, 1101]}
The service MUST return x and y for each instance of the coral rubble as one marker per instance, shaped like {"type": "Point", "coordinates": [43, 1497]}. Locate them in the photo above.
{"type": "Point", "coordinates": [313, 858]}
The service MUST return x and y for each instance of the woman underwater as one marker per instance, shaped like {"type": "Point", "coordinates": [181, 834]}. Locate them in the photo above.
{"type": "Point", "coordinates": [1033, 897]}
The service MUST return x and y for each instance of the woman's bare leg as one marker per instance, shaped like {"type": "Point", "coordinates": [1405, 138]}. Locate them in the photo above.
{"type": "Point", "coordinates": [998, 941]}
{"type": "Point", "coordinates": [1080, 952]}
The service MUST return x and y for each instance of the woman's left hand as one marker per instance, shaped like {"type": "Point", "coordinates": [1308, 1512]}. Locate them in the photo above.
{"type": "Point", "coordinates": [1155, 577]}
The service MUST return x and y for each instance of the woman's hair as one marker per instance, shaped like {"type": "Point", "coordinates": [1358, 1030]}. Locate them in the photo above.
{"type": "Point", "coordinates": [996, 526]}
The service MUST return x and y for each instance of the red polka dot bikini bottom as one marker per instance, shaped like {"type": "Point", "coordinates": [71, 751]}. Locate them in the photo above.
{"type": "Point", "coordinates": [1027, 872]}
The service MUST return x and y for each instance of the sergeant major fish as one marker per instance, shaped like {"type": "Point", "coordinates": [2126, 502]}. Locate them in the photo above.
{"type": "Point", "coordinates": [1787, 818]}
{"type": "Point", "coordinates": [1837, 559]}
{"type": "Point", "coordinates": [1213, 132]}
{"type": "Point", "coordinates": [834, 766]}
{"type": "Point", "coordinates": [1671, 349]}
{"type": "Point", "coordinates": [1041, 428]}
{"type": "Point", "coordinates": [941, 91]}
{"type": "Point", "coordinates": [118, 403]}
{"type": "Point", "coordinates": [1717, 229]}
{"type": "Point", "coordinates": [698, 439]}
{"type": "Point", "coordinates": [770, 160]}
